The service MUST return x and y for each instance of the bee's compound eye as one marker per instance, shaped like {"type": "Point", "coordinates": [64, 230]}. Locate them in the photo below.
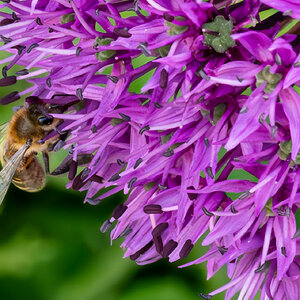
{"type": "Point", "coordinates": [45, 120]}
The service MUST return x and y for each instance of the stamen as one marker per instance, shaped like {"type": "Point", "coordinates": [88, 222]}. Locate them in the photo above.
{"type": "Point", "coordinates": [159, 229]}
{"type": "Point", "coordinates": [157, 105]}
{"type": "Point", "coordinates": [119, 211]}
{"type": "Point", "coordinates": [260, 268]}
{"type": "Point", "coordinates": [233, 210]}
{"type": "Point", "coordinates": [72, 170]}
{"type": "Point", "coordinates": [5, 39]}
{"type": "Point", "coordinates": [158, 243]}
{"type": "Point", "coordinates": [205, 296]}
{"type": "Point", "coordinates": [13, 96]}
{"type": "Point", "coordinates": [122, 32]}
{"type": "Point", "coordinates": [170, 208]}
{"type": "Point", "coordinates": [153, 209]}
{"type": "Point", "coordinates": [283, 251]}
{"type": "Point", "coordinates": [32, 47]}
{"type": "Point", "coordinates": [168, 153]}
{"type": "Point", "coordinates": [131, 182]}
{"type": "Point", "coordinates": [125, 117]}
{"type": "Point", "coordinates": [114, 79]}
{"type": "Point", "coordinates": [186, 249]}
{"type": "Point", "coordinates": [297, 64]}
{"type": "Point", "coordinates": [146, 248]}
{"type": "Point", "coordinates": [78, 50]}
{"type": "Point", "coordinates": [105, 226]}
{"type": "Point", "coordinates": [169, 248]}
{"type": "Point", "coordinates": [243, 110]}
{"type": "Point", "coordinates": [162, 187]}
{"type": "Point", "coordinates": [6, 22]}
{"type": "Point", "coordinates": [14, 16]}
{"type": "Point", "coordinates": [222, 250]}
{"type": "Point", "coordinates": [209, 172]}
{"type": "Point", "coordinates": [97, 178]}
{"type": "Point", "coordinates": [144, 49]}
{"type": "Point", "coordinates": [114, 177]}
{"type": "Point", "coordinates": [20, 48]}
{"type": "Point", "coordinates": [143, 129]}
{"type": "Point", "coordinates": [209, 214]}
{"type": "Point", "coordinates": [278, 59]}
{"type": "Point", "coordinates": [192, 196]}
{"type": "Point", "coordinates": [245, 195]}
{"type": "Point", "coordinates": [120, 162]}
{"type": "Point", "coordinates": [297, 234]}
{"type": "Point", "coordinates": [206, 142]}
{"type": "Point", "coordinates": [79, 94]}
{"type": "Point", "coordinates": [38, 21]}
{"type": "Point", "coordinates": [137, 163]}
{"type": "Point", "coordinates": [163, 79]}
{"type": "Point", "coordinates": [168, 17]}
{"type": "Point", "coordinates": [94, 129]}
{"type": "Point", "coordinates": [4, 71]}
{"type": "Point", "coordinates": [9, 80]}
{"type": "Point", "coordinates": [126, 232]}
{"type": "Point", "coordinates": [85, 173]}
{"type": "Point", "coordinates": [48, 82]}
{"type": "Point", "coordinates": [22, 72]}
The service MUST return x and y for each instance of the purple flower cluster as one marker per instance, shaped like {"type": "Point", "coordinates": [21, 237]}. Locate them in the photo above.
{"type": "Point", "coordinates": [222, 102]}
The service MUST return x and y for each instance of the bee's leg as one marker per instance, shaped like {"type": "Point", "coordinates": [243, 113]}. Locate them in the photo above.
{"type": "Point", "coordinates": [46, 162]}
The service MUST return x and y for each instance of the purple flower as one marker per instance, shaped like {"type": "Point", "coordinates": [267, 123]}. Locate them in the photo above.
{"type": "Point", "coordinates": [220, 79]}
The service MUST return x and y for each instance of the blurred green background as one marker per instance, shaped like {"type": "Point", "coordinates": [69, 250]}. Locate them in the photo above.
{"type": "Point", "coordinates": [51, 246]}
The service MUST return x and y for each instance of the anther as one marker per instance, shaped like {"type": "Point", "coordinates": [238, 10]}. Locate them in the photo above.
{"type": "Point", "coordinates": [125, 117]}
{"type": "Point", "coordinates": [283, 251]}
{"type": "Point", "coordinates": [159, 229]}
{"type": "Point", "coordinates": [32, 47]}
{"type": "Point", "coordinates": [120, 162]}
{"type": "Point", "coordinates": [119, 211]}
{"type": "Point", "coordinates": [157, 105]}
{"type": "Point", "coordinates": [48, 82]}
{"type": "Point", "coordinates": [260, 268]}
{"type": "Point", "coordinates": [163, 79]}
{"type": "Point", "coordinates": [38, 21]}
{"type": "Point", "coordinates": [186, 249]}
{"type": "Point", "coordinates": [233, 210]}
{"type": "Point", "coordinates": [114, 177]}
{"type": "Point", "coordinates": [243, 110]}
{"type": "Point", "coordinates": [137, 163]}
{"type": "Point", "coordinates": [205, 296]}
{"type": "Point", "coordinates": [169, 248]}
{"type": "Point", "coordinates": [9, 80]}
{"type": "Point", "coordinates": [209, 172]}
{"type": "Point", "coordinates": [73, 170]}
{"type": "Point", "coordinates": [222, 250]}
{"type": "Point", "coordinates": [153, 209]}
{"type": "Point", "coordinates": [79, 94]}
{"type": "Point", "coordinates": [143, 129]}
{"type": "Point", "coordinates": [22, 72]}
{"type": "Point", "coordinates": [122, 32]}
{"type": "Point", "coordinates": [206, 212]}
{"type": "Point", "coordinates": [131, 182]}
{"type": "Point", "coordinates": [4, 71]}
{"type": "Point", "coordinates": [78, 50]}
{"type": "Point", "coordinates": [105, 226]}
{"type": "Point", "coordinates": [13, 96]}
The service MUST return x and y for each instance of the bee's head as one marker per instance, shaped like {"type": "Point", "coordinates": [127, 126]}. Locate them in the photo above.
{"type": "Point", "coordinates": [40, 112]}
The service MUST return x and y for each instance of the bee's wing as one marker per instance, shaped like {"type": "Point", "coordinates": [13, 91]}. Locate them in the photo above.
{"type": "Point", "coordinates": [9, 170]}
{"type": "Point", "coordinates": [3, 130]}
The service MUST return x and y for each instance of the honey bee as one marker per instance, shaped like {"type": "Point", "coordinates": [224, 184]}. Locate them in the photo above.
{"type": "Point", "coordinates": [21, 140]}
